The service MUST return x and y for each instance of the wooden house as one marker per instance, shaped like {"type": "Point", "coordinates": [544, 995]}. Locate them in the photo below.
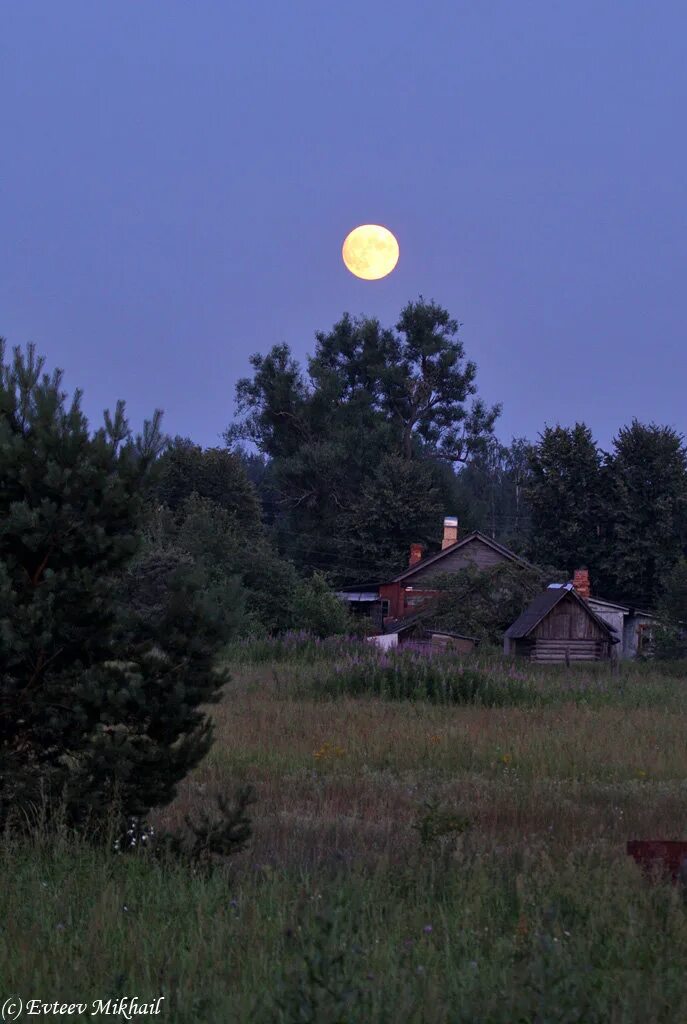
{"type": "Point", "coordinates": [560, 626]}
{"type": "Point", "coordinates": [633, 627]}
{"type": "Point", "coordinates": [598, 628]}
{"type": "Point", "coordinates": [412, 589]}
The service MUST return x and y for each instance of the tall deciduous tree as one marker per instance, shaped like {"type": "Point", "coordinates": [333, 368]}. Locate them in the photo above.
{"type": "Point", "coordinates": [492, 487]}
{"type": "Point", "coordinates": [427, 384]}
{"type": "Point", "coordinates": [370, 394]}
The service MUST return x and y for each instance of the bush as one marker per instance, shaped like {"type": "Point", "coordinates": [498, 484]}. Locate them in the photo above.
{"type": "Point", "coordinates": [318, 610]}
{"type": "Point", "coordinates": [670, 644]}
{"type": "Point", "coordinates": [258, 584]}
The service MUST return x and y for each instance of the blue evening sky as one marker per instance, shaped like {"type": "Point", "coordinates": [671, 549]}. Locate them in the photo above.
{"type": "Point", "coordinates": [177, 177]}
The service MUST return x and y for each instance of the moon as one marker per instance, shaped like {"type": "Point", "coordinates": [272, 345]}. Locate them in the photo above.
{"type": "Point", "coordinates": [370, 251]}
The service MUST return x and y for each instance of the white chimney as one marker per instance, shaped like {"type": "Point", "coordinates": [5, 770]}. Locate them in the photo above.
{"type": "Point", "coordinates": [450, 532]}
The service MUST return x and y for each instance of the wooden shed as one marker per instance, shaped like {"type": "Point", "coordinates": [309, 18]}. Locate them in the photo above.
{"type": "Point", "coordinates": [417, 632]}
{"type": "Point", "coordinates": [560, 626]}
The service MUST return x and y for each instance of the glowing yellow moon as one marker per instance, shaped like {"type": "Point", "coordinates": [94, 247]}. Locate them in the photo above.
{"type": "Point", "coordinates": [370, 251]}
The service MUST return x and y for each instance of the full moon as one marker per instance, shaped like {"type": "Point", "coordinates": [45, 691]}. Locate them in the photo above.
{"type": "Point", "coordinates": [370, 251]}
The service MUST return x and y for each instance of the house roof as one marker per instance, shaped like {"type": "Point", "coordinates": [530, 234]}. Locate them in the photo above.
{"type": "Point", "coordinates": [355, 587]}
{"type": "Point", "coordinates": [359, 596]}
{"type": "Point", "coordinates": [457, 636]}
{"type": "Point", "coordinates": [406, 622]}
{"type": "Point", "coordinates": [627, 609]}
{"type": "Point", "coordinates": [540, 607]}
{"type": "Point", "coordinates": [475, 535]}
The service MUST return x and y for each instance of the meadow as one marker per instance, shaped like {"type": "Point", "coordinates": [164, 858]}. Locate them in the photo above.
{"type": "Point", "coordinates": [435, 839]}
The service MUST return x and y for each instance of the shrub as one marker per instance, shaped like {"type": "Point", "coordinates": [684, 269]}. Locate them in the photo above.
{"type": "Point", "coordinates": [318, 610]}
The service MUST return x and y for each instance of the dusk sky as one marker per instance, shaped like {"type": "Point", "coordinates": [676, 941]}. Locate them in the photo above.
{"type": "Point", "coordinates": [177, 178]}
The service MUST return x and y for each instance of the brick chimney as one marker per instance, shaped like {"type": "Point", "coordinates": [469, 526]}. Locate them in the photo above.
{"type": "Point", "coordinates": [415, 553]}
{"type": "Point", "coordinates": [581, 583]}
{"type": "Point", "coordinates": [450, 532]}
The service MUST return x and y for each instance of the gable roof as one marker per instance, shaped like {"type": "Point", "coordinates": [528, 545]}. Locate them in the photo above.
{"type": "Point", "coordinates": [540, 607]}
{"type": "Point", "coordinates": [475, 535]}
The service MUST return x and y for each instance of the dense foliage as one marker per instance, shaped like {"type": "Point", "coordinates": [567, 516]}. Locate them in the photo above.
{"type": "Point", "coordinates": [361, 447]}
{"type": "Point", "coordinates": [648, 470]}
{"type": "Point", "coordinates": [203, 507]}
{"type": "Point", "coordinates": [102, 669]}
{"type": "Point", "coordinates": [565, 495]}
{"type": "Point", "coordinates": [491, 492]}
{"type": "Point", "coordinates": [366, 451]}
{"type": "Point", "coordinates": [483, 604]}
{"type": "Point", "coordinates": [622, 513]}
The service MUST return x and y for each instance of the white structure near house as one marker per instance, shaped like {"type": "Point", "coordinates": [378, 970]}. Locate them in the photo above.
{"type": "Point", "coordinates": [632, 626]}
{"type": "Point", "coordinates": [385, 640]}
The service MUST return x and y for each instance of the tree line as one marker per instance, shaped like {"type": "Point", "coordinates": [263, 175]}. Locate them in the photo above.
{"type": "Point", "coordinates": [563, 501]}
{"type": "Point", "coordinates": [366, 448]}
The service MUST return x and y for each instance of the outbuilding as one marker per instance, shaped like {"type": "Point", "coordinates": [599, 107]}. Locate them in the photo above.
{"type": "Point", "coordinates": [559, 626]}
{"type": "Point", "coordinates": [416, 632]}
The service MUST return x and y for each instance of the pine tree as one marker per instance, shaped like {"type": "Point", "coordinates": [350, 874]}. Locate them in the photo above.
{"type": "Point", "coordinates": [96, 705]}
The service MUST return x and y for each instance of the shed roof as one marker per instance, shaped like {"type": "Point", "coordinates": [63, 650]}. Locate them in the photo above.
{"type": "Point", "coordinates": [456, 636]}
{"type": "Point", "coordinates": [626, 609]}
{"type": "Point", "coordinates": [540, 607]}
{"type": "Point", "coordinates": [406, 622]}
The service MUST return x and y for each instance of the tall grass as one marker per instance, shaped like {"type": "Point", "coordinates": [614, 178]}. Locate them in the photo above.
{"type": "Point", "coordinates": [418, 855]}
{"type": "Point", "coordinates": [473, 935]}
{"type": "Point", "coordinates": [434, 678]}
{"type": "Point", "coordinates": [350, 666]}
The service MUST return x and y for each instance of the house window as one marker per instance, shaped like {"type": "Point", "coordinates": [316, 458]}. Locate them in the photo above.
{"type": "Point", "coordinates": [385, 608]}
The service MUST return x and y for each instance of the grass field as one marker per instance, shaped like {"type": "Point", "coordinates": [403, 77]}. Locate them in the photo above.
{"type": "Point", "coordinates": [412, 860]}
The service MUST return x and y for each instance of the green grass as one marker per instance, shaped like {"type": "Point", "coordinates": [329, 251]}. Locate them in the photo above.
{"type": "Point", "coordinates": [528, 911]}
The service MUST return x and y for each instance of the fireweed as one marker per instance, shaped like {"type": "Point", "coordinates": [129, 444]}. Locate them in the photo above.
{"type": "Point", "coordinates": [351, 666]}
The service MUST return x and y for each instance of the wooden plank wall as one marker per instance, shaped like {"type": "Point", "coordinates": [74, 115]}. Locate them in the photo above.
{"type": "Point", "coordinates": [475, 553]}
{"type": "Point", "coordinates": [569, 620]}
{"type": "Point", "coordinates": [554, 651]}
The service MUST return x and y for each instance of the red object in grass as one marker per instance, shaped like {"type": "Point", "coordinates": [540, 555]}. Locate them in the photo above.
{"type": "Point", "coordinates": [660, 856]}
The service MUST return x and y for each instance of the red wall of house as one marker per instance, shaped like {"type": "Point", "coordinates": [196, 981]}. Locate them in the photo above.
{"type": "Point", "coordinates": [392, 593]}
{"type": "Point", "coordinates": [402, 600]}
